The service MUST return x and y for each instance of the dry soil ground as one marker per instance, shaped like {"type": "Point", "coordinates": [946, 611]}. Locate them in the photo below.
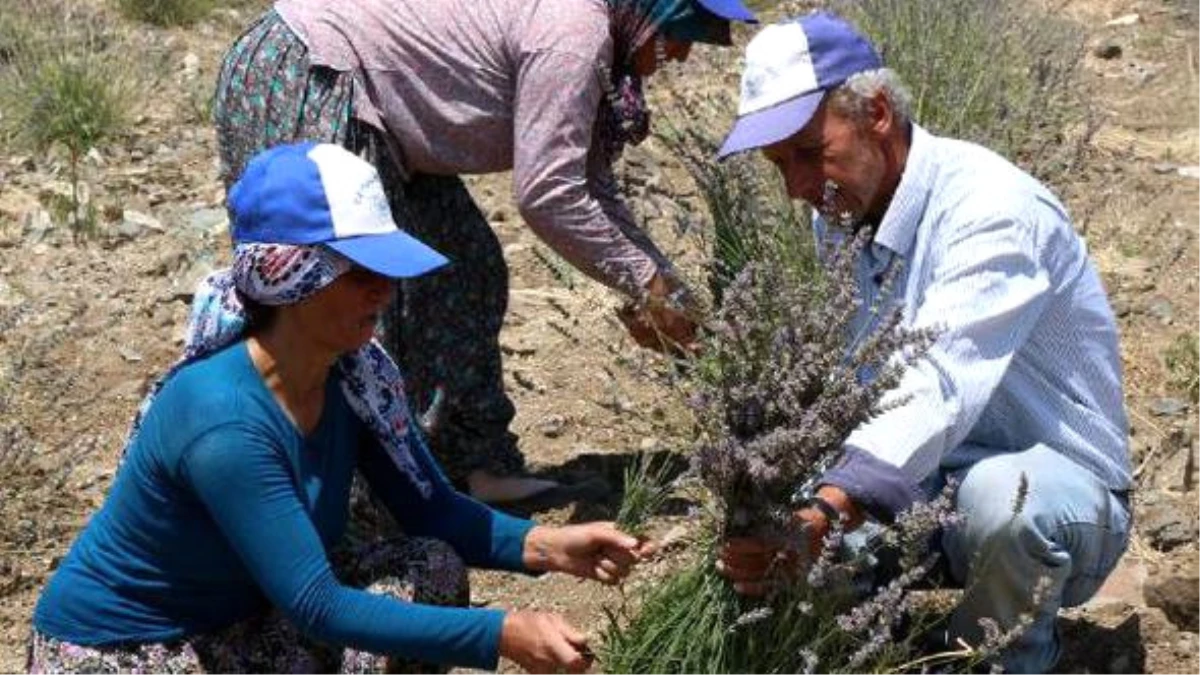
{"type": "Point", "coordinates": [85, 327]}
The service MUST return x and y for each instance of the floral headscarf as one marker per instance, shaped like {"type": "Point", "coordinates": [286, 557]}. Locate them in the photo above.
{"type": "Point", "coordinates": [624, 117]}
{"type": "Point", "coordinates": [275, 275]}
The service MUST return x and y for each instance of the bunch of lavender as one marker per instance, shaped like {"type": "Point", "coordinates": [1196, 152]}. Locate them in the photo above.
{"type": "Point", "coordinates": [694, 622]}
{"type": "Point", "coordinates": [781, 385]}
{"type": "Point", "coordinates": [784, 383]}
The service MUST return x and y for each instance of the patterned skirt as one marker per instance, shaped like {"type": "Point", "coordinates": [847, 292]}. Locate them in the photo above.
{"type": "Point", "coordinates": [417, 570]}
{"type": "Point", "coordinates": [444, 327]}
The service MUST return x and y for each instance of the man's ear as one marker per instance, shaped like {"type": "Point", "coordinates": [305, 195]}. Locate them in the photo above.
{"type": "Point", "coordinates": [882, 117]}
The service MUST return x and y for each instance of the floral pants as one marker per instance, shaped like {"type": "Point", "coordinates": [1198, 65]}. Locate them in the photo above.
{"type": "Point", "coordinates": [419, 570]}
{"type": "Point", "coordinates": [444, 327]}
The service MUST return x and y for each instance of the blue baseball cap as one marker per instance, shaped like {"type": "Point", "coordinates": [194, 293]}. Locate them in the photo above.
{"type": "Point", "coordinates": [702, 20]}
{"type": "Point", "coordinates": [789, 68]}
{"type": "Point", "coordinates": [320, 193]}
{"type": "Point", "coordinates": [730, 10]}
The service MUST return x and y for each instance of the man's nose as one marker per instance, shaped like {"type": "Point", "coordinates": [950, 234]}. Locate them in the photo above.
{"type": "Point", "coordinates": [802, 184]}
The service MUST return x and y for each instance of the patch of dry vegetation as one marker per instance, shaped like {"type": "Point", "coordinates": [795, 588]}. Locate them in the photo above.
{"type": "Point", "coordinates": [64, 85]}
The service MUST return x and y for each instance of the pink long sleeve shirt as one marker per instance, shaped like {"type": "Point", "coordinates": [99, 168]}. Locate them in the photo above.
{"type": "Point", "coordinates": [482, 86]}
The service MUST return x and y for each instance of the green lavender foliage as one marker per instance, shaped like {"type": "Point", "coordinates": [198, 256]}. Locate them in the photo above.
{"type": "Point", "coordinates": [1001, 73]}
{"type": "Point", "coordinates": [749, 215]}
{"type": "Point", "coordinates": [646, 490]}
{"type": "Point", "coordinates": [1182, 359]}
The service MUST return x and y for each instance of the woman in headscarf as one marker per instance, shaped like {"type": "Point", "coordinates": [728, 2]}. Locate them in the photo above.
{"type": "Point", "coordinates": [428, 90]}
{"type": "Point", "coordinates": [220, 547]}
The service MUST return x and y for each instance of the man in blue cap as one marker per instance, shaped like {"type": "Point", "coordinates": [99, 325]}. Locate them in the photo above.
{"type": "Point", "coordinates": [1021, 393]}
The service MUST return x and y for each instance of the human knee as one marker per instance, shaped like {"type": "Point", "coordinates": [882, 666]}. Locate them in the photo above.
{"type": "Point", "coordinates": [1002, 507]}
{"type": "Point", "coordinates": [444, 570]}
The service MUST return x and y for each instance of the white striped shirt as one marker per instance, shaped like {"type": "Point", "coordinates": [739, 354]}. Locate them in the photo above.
{"type": "Point", "coordinates": [1027, 351]}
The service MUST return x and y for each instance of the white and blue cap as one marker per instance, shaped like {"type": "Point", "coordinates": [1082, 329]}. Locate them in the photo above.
{"type": "Point", "coordinates": [789, 68]}
{"type": "Point", "coordinates": [320, 193]}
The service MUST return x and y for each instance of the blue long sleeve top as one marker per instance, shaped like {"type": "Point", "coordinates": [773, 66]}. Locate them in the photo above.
{"type": "Point", "coordinates": [222, 507]}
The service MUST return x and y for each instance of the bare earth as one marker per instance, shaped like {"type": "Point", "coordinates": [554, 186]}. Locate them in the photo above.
{"type": "Point", "coordinates": [84, 328]}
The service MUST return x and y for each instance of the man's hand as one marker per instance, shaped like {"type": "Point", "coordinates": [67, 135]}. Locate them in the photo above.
{"type": "Point", "coordinates": [541, 642]}
{"type": "Point", "coordinates": [747, 561]}
{"type": "Point", "coordinates": [596, 551]}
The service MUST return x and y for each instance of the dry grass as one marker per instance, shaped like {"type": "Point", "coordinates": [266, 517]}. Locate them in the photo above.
{"type": "Point", "coordinates": [65, 84]}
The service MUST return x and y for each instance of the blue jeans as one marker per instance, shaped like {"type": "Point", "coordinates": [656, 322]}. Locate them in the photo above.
{"type": "Point", "coordinates": [1056, 552]}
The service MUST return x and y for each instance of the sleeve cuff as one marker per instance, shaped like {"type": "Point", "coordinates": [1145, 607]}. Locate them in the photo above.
{"type": "Point", "coordinates": [508, 533]}
{"type": "Point", "coordinates": [879, 488]}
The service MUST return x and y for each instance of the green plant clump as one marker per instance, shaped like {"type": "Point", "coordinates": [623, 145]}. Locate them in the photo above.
{"type": "Point", "coordinates": [68, 91]}
{"type": "Point", "coordinates": [1183, 362]}
{"type": "Point", "coordinates": [1001, 73]}
{"type": "Point", "coordinates": [166, 12]}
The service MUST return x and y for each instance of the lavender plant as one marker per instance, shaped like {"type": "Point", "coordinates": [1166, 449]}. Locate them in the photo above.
{"type": "Point", "coordinates": [752, 218]}
{"type": "Point", "coordinates": [784, 383]}
{"type": "Point", "coordinates": [781, 385]}
{"type": "Point", "coordinates": [645, 492]}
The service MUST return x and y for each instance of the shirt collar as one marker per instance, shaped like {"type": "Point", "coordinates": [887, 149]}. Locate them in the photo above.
{"type": "Point", "coordinates": [904, 214]}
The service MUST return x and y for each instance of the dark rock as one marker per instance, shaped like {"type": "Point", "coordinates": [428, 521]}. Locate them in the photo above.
{"type": "Point", "coordinates": [1107, 50]}
{"type": "Point", "coordinates": [1164, 520]}
{"type": "Point", "coordinates": [1178, 596]}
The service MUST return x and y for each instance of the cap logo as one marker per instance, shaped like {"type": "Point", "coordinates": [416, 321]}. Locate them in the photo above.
{"type": "Point", "coordinates": [357, 204]}
{"type": "Point", "coordinates": [779, 67]}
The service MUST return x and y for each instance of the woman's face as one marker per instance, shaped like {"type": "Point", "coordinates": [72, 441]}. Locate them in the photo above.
{"type": "Point", "coordinates": [645, 61]}
{"type": "Point", "coordinates": [342, 316]}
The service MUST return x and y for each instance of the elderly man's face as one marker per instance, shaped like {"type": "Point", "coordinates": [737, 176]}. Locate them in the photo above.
{"type": "Point", "coordinates": [837, 164]}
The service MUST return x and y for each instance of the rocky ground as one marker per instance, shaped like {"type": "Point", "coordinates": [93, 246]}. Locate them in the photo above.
{"type": "Point", "coordinates": [84, 327]}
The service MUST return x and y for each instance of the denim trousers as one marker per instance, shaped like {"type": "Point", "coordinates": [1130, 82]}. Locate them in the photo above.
{"type": "Point", "coordinates": [1052, 550]}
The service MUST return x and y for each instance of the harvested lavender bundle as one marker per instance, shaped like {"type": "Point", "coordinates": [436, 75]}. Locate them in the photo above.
{"type": "Point", "coordinates": [781, 385]}
{"type": "Point", "coordinates": [784, 384]}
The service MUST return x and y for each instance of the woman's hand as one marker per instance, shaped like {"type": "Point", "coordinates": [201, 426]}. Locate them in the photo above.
{"type": "Point", "coordinates": [590, 551]}
{"type": "Point", "coordinates": [659, 323]}
{"type": "Point", "coordinates": [541, 642]}
{"type": "Point", "coordinates": [660, 328]}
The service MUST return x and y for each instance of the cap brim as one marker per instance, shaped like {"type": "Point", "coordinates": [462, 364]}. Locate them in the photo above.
{"type": "Point", "coordinates": [771, 125]}
{"type": "Point", "coordinates": [396, 255]}
{"type": "Point", "coordinates": [730, 10]}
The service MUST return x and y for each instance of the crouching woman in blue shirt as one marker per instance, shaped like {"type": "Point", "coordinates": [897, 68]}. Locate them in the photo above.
{"type": "Point", "coordinates": [234, 489]}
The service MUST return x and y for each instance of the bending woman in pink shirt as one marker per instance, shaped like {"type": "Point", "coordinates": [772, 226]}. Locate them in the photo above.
{"type": "Point", "coordinates": [427, 90]}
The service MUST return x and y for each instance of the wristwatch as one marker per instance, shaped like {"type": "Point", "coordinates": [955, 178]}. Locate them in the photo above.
{"type": "Point", "coordinates": [816, 501]}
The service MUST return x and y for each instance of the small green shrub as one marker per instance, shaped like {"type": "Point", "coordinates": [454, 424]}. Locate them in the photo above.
{"type": "Point", "coordinates": [62, 85]}
{"type": "Point", "coordinates": [166, 12]}
{"type": "Point", "coordinates": [1183, 363]}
